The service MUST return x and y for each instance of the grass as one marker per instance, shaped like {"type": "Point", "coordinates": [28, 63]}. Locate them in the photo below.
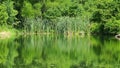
{"type": "Point", "coordinates": [60, 25]}
{"type": "Point", "coordinates": [7, 32]}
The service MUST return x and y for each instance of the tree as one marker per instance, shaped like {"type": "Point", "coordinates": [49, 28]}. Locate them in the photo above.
{"type": "Point", "coordinates": [11, 11]}
{"type": "Point", "coordinates": [3, 14]}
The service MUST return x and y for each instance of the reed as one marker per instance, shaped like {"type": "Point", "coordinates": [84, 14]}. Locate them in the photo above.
{"type": "Point", "coordinates": [58, 25]}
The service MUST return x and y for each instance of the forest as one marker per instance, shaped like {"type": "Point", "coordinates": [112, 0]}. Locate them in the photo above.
{"type": "Point", "coordinates": [61, 16]}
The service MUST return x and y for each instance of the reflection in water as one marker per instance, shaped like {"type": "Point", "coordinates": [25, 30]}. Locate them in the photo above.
{"type": "Point", "coordinates": [59, 52]}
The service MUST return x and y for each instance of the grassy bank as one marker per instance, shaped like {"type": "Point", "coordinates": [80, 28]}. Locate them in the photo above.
{"type": "Point", "coordinates": [8, 32]}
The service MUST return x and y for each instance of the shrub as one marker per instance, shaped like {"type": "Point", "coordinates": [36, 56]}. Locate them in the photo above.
{"type": "Point", "coordinates": [95, 28]}
{"type": "Point", "coordinates": [112, 27]}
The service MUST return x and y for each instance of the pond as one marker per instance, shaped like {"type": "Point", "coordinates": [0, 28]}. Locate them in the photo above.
{"type": "Point", "coordinates": [49, 51]}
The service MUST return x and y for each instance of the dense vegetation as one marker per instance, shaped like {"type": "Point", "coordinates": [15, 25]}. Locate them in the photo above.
{"type": "Point", "coordinates": [59, 16]}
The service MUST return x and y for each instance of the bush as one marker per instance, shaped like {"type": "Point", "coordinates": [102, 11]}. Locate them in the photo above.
{"type": "Point", "coordinates": [112, 27]}
{"type": "Point", "coordinates": [95, 28]}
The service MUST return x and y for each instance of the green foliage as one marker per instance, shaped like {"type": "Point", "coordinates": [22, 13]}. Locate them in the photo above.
{"type": "Point", "coordinates": [95, 28]}
{"type": "Point", "coordinates": [104, 14]}
{"type": "Point", "coordinates": [112, 27]}
{"type": "Point", "coordinates": [11, 11]}
{"type": "Point", "coordinates": [37, 11]}
{"type": "Point", "coordinates": [3, 14]}
{"type": "Point", "coordinates": [27, 10]}
{"type": "Point", "coordinates": [7, 13]}
{"type": "Point", "coordinates": [48, 15]}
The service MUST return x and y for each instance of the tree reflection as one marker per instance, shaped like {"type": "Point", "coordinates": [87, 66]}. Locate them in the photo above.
{"type": "Point", "coordinates": [59, 52]}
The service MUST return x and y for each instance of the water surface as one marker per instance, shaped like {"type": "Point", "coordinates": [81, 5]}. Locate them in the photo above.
{"type": "Point", "coordinates": [49, 51]}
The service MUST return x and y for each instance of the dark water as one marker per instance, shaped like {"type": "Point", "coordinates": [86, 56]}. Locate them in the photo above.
{"type": "Point", "coordinates": [60, 52]}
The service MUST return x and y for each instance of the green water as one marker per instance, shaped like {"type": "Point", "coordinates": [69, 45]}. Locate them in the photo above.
{"type": "Point", "coordinates": [60, 52]}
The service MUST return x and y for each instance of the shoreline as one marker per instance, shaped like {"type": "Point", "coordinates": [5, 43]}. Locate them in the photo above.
{"type": "Point", "coordinates": [5, 34]}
